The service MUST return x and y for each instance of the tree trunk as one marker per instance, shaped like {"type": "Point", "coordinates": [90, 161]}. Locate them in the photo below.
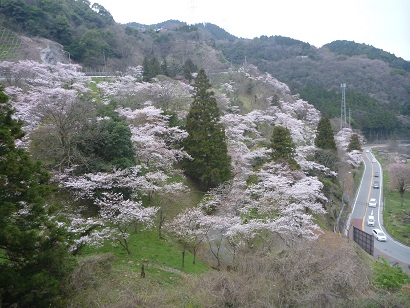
{"type": "Point", "coordinates": [183, 258]}
{"type": "Point", "coordinates": [160, 222]}
{"type": "Point", "coordinates": [402, 196]}
{"type": "Point", "coordinates": [124, 243]}
{"type": "Point", "coordinates": [142, 271]}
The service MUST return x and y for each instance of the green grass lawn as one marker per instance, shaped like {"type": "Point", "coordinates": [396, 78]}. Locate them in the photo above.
{"type": "Point", "coordinates": [110, 277]}
{"type": "Point", "coordinates": [148, 249]}
{"type": "Point", "coordinates": [396, 217]}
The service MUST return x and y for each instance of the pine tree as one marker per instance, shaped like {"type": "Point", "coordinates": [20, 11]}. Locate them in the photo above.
{"type": "Point", "coordinates": [151, 67]}
{"type": "Point", "coordinates": [146, 74]}
{"type": "Point", "coordinates": [211, 164]}
{"type": "Point", "coordinates": [34, 256]}
{"type": "Point", "coordinates": [164, 67]}
{"type": "Point", "coordinates": [283, 148]}
{"type": "Point", "coordinates": [324, 138]}
{"type": "Point", "coordinates": [189, 67]}
{"type": "Point", "coordinates": [354, 143]}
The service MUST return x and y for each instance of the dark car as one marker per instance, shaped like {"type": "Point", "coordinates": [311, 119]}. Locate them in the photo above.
{"type": "Point", "coordinates": [376, 184]}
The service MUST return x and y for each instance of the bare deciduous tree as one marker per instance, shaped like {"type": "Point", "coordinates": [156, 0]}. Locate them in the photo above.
{"type": "Point", "coordinates": [329, 272]}
{"type": "Point", "coordinates": [399, 175]}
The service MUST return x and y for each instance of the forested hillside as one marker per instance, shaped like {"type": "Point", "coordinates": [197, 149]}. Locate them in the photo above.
{"type": "Point", "coordinates": [377, 81]}
{"type": "Point", "coordinates": [377, 85]}
{"type": "Point", "coordinates": [189, 174]}
{"type": "Point", "coordinates": [125, 153]}
{"type": "Point", "coordinates": [349, 48]}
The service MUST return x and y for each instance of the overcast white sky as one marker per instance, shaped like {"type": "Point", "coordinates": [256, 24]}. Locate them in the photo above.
{"type": "Point", "coordinates": [384, 24]}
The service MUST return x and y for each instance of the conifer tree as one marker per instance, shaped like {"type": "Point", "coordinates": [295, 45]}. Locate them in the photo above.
{"type": "Point", "coordinates": [33, 249]}
{"type": "Point", "coordinates": [151, 68]}
{"type": "Point", "coordinates": [189, 67]}
{"type": "Point", "coordinates": [354, 143]}
{"type": "Point", "coordinates": [283, 148]}
{"type": "Point", "coordinates": [326, 154]}
{"type": "Point", "coordinates": [206, 143]}
{"type": "Point", "coordinates": [325, 138]}
{"type": "Point", "coordinates": [164, 67]}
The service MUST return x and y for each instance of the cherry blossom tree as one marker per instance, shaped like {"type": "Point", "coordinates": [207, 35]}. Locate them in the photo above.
{"type": "Point", "coordinates": [89, 231]}
{"type": "Point", "coordinates": [129, 91]}
{"type": "Point", "coordinates": [63, 117]}
{"type": "Point", "coordinates": [261, 199]}
{"type": "Point", "coordinates": [122, 214]}
{"type": "Point", "coordinates": [133, 179]}
{"type": "Point", "coordinates": [29, 75]}
{"type": "Point", "coordinates": [267, 197]}
{"type": "Point", "coordinates": [278, 201]}
{"type": "Point", "coordinates": [193, 227]}
{"type": "Point", "coordinates": [217, 235]}
{"type": "Point", "coordinates": [49, 94]}
{"type": "Point", "coordinates": [399, 175]}
{"type": "Point", "coordinates": [156, 143]}
{"type": "Point", "coordinates": [244, 138]}
{"type": "Point", "coordinates": [342, 139]}
{"type": "Point", "coordinates": [190, 229]}
{"type": "Point", "coordinates": [135, 71]}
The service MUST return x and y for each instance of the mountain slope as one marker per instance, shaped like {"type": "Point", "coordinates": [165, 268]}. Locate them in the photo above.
{"type": "Point", "coordinates": [377, 82]}
{"type": "Point", "coordinates": [349, 48]}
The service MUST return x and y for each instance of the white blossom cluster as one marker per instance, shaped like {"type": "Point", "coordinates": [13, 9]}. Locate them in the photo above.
{"type": "Point", "coordinates": [262, 196]}
{"type": "Point", "coordinates": [38, 91]}
{"type": "Point", "coordinates": [342, 140]}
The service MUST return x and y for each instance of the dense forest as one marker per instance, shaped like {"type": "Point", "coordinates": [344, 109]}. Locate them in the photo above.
{"type": "Point", "coordinates": [349, 48]}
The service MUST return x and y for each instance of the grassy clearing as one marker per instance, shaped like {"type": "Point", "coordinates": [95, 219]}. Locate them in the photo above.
{"type": "Point", "coordinates": [162, 259]}
{"type": "Point", "coordinates": [145, 245]}
{"type": "Point", "coordinates": [395, 216]}
{"type": "Point", "coordinates": [110, 277]}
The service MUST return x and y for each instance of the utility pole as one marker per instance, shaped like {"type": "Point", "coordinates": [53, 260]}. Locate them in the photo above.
{"type": "Point", "coordinates": [69, 57]}
{"type": "Point", "coordinates": [105, 63]}
{"type": "Point", "coordinates": [343, 122]}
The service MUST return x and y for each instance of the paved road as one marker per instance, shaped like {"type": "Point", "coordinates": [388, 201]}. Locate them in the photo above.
{"type": "Point", "coordinates": [392, 250]}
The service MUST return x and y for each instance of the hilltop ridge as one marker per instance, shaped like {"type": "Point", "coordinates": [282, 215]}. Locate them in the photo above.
{"type": "Point", "coordinates": [377, 81]}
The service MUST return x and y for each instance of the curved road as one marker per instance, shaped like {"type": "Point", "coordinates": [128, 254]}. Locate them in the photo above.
{"type": "Point", "coordinates": [392, 250]}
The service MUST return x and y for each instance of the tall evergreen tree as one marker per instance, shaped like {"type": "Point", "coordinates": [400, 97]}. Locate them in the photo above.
{"type": "Point", "coordinates": [33, 253]}
{"type": "Point", "coordinates": [354, 143]}
{"type": "Point", "coordinates": [164, 67]}
{"type": "Point", "coordinates": [206, 143]}
{"type": "Point", "coordinates": [325, 138]}
{"type": "Point", "coordinates": [189, 67]}
{"type": "Point", "coordinates": [151, 67]}
{"type": "Point", "coordinates": [326, 154]}
{"type": "Point", "coordinates": [283, 148]}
